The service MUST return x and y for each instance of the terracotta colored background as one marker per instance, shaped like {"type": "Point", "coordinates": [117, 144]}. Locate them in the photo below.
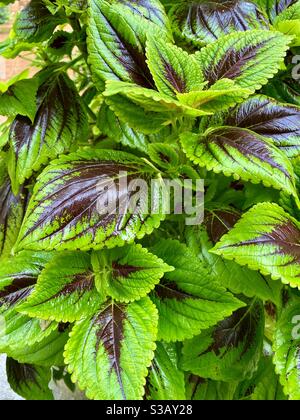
{"type": "Point", "coordinates": [9, 68]}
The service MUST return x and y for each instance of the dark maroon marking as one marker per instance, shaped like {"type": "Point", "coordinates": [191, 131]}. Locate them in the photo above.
{"type": "Point", "coordinates": [110, 332]}
{"type": "Point", "coordinates": [285, 236]}
{"type": "Point", "coordinates": [213, 17]}
{"type": "Point", "coordinates": [240, 327]}
{"type": "Point", "coordinates": [170, 290]}
{"type": "Point", "coordinates": [19, 289]}
{"type": "Point", "coordinates": [63, 327]}
{"type": "Point", "coordinates": [132, 59]}
{"type": "Point", "coordinates": [164, 158]}
{"type": "Point", "coordinates": [59, 42]}
{"type": "Point", "coordinates": [219, 222]}
{"type": "Point", "coordinates": [78, 193]}
{"type": "Point", "coordinates": [54, 95]}
{"type": "Point", "coordinates": [266, 117]}
{"type": "Point", "coordinates": [8, 202]}
{"type": "Point", "coordinates": [247, 143]}
{"type": "Point", "coordinates": [21, 373]}
{"type": "Point", "coordinates": [278, 6]}
{"type": "Point", "coordinates": [120, 270]}
{"type": "Point", "coordinates": [135, 4]}
{"type": "Point", "coordinates": [232, 63]}
{"type": "Point", "coordinates": [82, 283]}
{"type": "Point", "coordinates": [173, 77]}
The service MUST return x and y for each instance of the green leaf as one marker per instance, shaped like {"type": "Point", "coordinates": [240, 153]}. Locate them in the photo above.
{"type": "Point", "coordinates": [288, 22]}
{"type": "Point", "coordinates": [266, 239]}
{"type": "Point", "coordinates": [242, 154]}
{"type": "Point", "coordinates": [10, 48]}
{"type": "Point", "coordinates": [73, 188]}
{"type": "Point", "coordinates": [4, 134]}
{"type": "Point", "coordinates": [12, 209]}
{"type": "Point", "coordinates": [173, 70]}
{"type": "Point", "coordinates": [29, 381]}
{"type": "Point", "coordinates": [151, 100]}
{"type": "Point", "coordinates": [117, 38]}
{"type": "Point", "coordinates": [109, 354]}
{"type": "Point", "coordinates": [274, 7]}
{"type": "Point", "coordinates": [199, 389]}
{"type": "Point", "coordinates": [127, 273]}
{"type": "Point", "coordinates": [230, 351]}
{"type": "Point", "coordinates": [18, 276]}
{"type": "Point", "coordinates": [188, 299]}
{"type": "Point", "coordinates": [137, 118]}
{"type": "Point", "coordinates": [267, 386]}
{"type": "Point", "coordinates": [113, 127]}
{"type": "Point", "coordinates": [142, 14]}
{"type": "Point", "coordinates": [249, 58]}
{"type": "Point", "coordinates": [286, 348]}
{"type": "Point", "coordinates": [35, 23]}
{"type": "Point", "coordinates": [166, 381]}
{"type": "Point", "coordinates": [59, 124]}
{"type": "Point", "coordinates": [164, 155]}
{"type": "Point", "coordinates": [238, 279]}
{"type": "Point", "coordinates": [222, 95]}
{"type": "Point", "coordinates": [20, 98]}
{"type": "Point", "coordinates": [46, 352]}
{"type": "Point", "coordinates": [65, 291]}
{"type": "Point", "coordinates": [272, 119]}
{"type": "Point", "coordinates": [202, 22]}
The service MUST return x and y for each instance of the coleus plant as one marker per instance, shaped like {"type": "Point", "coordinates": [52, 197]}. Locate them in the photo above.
{"type": "Point", "coordinates": [140, 305]}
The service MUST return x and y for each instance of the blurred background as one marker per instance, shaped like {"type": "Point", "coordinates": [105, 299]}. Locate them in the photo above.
{"type": "Point", "coordinates": [9, 68]}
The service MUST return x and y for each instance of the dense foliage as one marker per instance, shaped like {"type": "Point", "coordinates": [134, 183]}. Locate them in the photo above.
{"type": "Point", "coordinates": [137, 306]}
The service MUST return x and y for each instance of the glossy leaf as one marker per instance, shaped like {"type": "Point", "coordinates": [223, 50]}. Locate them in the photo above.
{"type": "Point", "coordinates": [151, 100]}
{"type": "Point", "coordinates": [269, 118]}
{"type": "Point", "coordinates": [275, 7]}
{"type": "Point", "coordinates": [266, 239]}
{"type": "Point", "coordinates": [136, 117]}
{"type": "Point", "coordinates": [120, 131]}
{"type": "Point", "coordinates": [127, 274]}
{"type": "Point", "coordinates": [47, 352]}
{"type": "Point", "coordinates": [99, 353]}
{"type": "Point", "coordinates": [238, 279]}
{"type": "Point", "coordinates": [65, 290]}
{"type": "Point", "coordinates": [222, 95]}
{"type": "Point", "coordinates": [12, 209]}
{"type": "Point", "coordinates": [173, 70]}
{"type": "Point", "coordinates": [242, 154]}
{"type": "Point", "coordinates": [117, 38]}
{"type": "Point", "coordinates": [287, 347]}
{"type": "Point", "coordinates": [29, 381]}
{"type": "Point", "coordinates": [231, 350]}
{"type": "Point", "coordinates": [35, 23]}
{"type": "Point", "coordinates": [188, 299]}
{"type": "Point", "coordinates": [166, 381]}
{"type": "Point", "coordinates": [288, 22]}
{"type": "Point", "coordinates": [202, 22]}
{"type": "Point", "coordinates": [60, 123]}
{"type": "Point", "coordinates": [19, 98]}
{"type": "Point", "coordinates": [164, 155]}
{"type": "Point", "coordinates": [73, 187]}
{"type": "Point", "coordinates": [244, 58]}
{"type": "Point", "coordinates": [18, 276]}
